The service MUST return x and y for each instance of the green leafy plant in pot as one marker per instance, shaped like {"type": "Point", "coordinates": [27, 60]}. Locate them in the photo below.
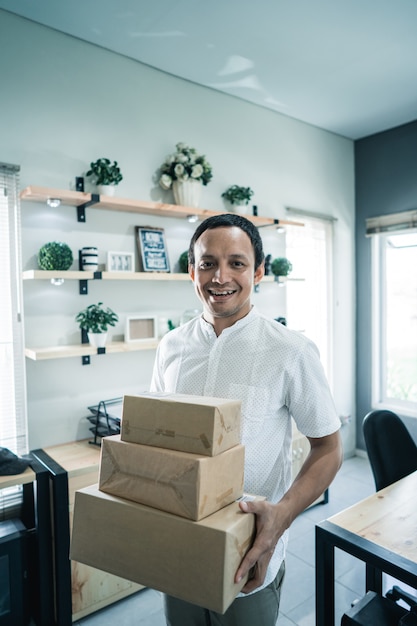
{"type": "Point", "coordinates": [183, 262]}
{"type": "Point", "coordinates": [238, 197]}
{"type": "Point", "coordinates": [95, 320]}
{"type": "Point", "coordinates": [105, 174]}
{"type": "Point", "coordinates": [55, 255]}
{"type": "Point", "coordinates": [281, 266]}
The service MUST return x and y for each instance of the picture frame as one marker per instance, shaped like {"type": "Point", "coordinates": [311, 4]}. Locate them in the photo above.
{"type": "Point", "coordinates": [120, 262]}
{"type": "Point", "coordinates": [141, 328]}
{"type": "Point", "coordinates": [152, 249]}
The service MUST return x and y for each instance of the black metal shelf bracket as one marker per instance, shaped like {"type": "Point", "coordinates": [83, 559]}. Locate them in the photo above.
{"type": "Point", "coordinates": [95, 199]}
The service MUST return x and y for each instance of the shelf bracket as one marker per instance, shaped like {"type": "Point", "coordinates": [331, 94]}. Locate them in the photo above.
{"type": "Point", "coordinates": [85, 360]}
{"type": "Point", "coordinates": [83, 287]}
{"type": "Point", "coordinates": [95, 199]}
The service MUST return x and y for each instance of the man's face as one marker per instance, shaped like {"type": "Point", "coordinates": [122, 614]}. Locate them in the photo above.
{"type": "Point", "coordinates": [224, 274]}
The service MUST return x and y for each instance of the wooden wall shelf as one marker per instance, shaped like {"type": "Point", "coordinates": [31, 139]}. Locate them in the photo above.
{"type": "Point", "coordinates": [84, 350]}
{"type": "Point", "coordinates": [81, 200]}
{"type": "Point", "coordinates": [82, 275]}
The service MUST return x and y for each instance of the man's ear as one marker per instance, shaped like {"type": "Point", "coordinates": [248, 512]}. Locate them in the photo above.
{"type": "Point", "coordinates": [259, 273]}
{"type": "Point", "coordinates": [191, 271]}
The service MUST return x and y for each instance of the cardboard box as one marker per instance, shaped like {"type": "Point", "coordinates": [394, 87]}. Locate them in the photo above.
{"type": "Point", "coordinates": [193, 561]}
{"type": "Point", "coordinates": [197, 424]}
{"type": "Point", "coordinates": [190, 485]}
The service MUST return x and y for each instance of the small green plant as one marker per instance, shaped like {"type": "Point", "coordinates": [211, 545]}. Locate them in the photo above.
{"type": "Point", "coordinates": [96, 319]}
{"type": "Point", "coordinates": [281, 266]}
{"type": "Point", "coordinates": [55, 255]}
{"type": "Point", "coordinates": [238, 195]}
{"type": "Point", "coordinates": [103, 172]}
{"type": "Point", "coordinates": [183, 262]}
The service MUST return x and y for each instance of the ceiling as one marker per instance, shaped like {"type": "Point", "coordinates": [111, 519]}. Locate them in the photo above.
{"type": "Point", "coordinates": [346, 66]}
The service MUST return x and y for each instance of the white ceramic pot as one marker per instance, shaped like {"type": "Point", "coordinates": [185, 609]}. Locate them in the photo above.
{"type": "Point", "coordinates": [89, 259]}
{"type": "Point", "coordinates": [106, 190]}
{"type": "Point", "coordinates": [98, 340]}
{"type": "Point", "coordinates": [242, 209]}
{"type": "Point", "coordinates": [187, 192]}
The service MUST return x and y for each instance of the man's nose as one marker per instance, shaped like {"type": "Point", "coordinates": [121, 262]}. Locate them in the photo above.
{"type": "Point", "coordinates": [222, 274]}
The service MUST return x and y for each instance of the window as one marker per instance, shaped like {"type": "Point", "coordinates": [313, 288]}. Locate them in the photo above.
{"type": "Point", "coordinates": [13, 421]}
{"type": "Point", "coordinates": [309, 292]}
{"type": "Point", "coordinates": [394, 320]}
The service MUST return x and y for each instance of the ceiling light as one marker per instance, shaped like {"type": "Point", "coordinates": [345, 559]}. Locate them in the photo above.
{"type": "Point", "coordinates": [192, 218]}
{"type": "Point", "coordinates": [53, 202]}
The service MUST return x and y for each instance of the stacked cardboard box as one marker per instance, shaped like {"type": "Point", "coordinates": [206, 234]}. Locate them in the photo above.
{"type": "Point", "coordinates": [164, 513]}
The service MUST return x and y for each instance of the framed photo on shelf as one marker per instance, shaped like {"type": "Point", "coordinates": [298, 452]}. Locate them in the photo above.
{"type": "Point", "coordinates": [141, 328]}
{"type": "Point", "coordinates": [120, 262]}
{"type": "Point", "coordinates": [152, 249]}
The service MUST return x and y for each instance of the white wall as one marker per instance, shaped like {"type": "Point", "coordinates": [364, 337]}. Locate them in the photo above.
{"type": "Point", "coordinates": [65, 103]}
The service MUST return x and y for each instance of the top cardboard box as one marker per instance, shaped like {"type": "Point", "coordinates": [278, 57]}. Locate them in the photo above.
{"type": "Point", "coordinates": [198, 424]}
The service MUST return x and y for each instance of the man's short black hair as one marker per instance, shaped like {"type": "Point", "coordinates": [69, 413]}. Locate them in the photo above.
{"type": "Point", "coordinates": [229, 219]}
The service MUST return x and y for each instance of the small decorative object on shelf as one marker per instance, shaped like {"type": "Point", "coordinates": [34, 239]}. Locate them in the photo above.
{"type": "Point", "coordinates": [106, 175]}
{"type": "Point", "coordinates": [238, 197]}
{"type": "Point", "coordinates": [55, 255]}
{"type": "Point", "coordinates": [152, 249]}
{"type": "Point", "coordinates": [89, 259]}
{"type": "Point", "coordinates": [95, 320]}
{"type": "Point", "coordinates": [120, 262]}
{"type": "Point", "coordinates": [183, 262]}
{"type": "Point", "coordinates": [185, 171]}
{"type": "Point", "coordinates": [281, 266]}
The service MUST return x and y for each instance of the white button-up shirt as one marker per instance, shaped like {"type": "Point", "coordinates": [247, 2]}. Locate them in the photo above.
{"type": "Point", "coordinates": [274, 371]}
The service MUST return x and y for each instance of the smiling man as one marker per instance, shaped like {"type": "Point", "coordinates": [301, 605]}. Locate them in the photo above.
{"type": "Point", "coordinates": [232, 351]}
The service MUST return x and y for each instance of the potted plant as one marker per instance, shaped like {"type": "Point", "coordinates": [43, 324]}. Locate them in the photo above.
{"type": "Point", "coordinates": [183, 262]}
{"type": "Point", "coordinates": [105, 174]}
{"type": "Point", "coordinates": [281, 266]}
{"type": "Point", "coordinates": [238, 196]}
{"type": "Point", "coordinates": [95, 320]}
{"type": "Point", "coordinates": [185, 171]}
{"type": "Point", "coordinates": [55, 255]}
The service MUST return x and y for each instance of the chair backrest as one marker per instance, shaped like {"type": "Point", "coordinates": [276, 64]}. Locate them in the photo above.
{"type": "Point", "coordinates": [392, 451]}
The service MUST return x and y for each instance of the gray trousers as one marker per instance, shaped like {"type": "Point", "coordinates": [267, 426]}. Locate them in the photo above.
{"type": "Point", "coordinates": [260, 608]}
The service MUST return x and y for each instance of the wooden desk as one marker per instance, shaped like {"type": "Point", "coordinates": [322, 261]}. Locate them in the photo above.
{"type": "Point", "coordinates": [381, 531]}
{"type": "Point", "coordinates": [80, 589]}
{"type": "Point", "coordinates": [35, 516]}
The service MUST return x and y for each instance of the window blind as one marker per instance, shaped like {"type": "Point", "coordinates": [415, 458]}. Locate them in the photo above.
{"type": "Point", "coordinates": [394, 222]}
{"type": "Point", "coordinates": [13, 412]}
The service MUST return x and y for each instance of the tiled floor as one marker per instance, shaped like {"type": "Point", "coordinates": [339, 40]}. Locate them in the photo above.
{"type": "Point", "coordinates": [353, 483]}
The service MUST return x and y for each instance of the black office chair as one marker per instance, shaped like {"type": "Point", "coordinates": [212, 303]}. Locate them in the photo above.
{"type": "Point", "coordinates": [392, 454]}
{"type": "Point", "coordinates": [392, 451]}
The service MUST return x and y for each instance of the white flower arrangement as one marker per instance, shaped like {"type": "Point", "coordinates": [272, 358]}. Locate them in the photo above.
{"type": "Point", "coordinates": [184, 164]}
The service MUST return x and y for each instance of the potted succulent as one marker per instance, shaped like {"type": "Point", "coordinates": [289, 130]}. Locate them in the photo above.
{"type": "Point", "coordinates": [95, 320]}
{"type": "Point", "coordinates": [281, 266]}
{"type": "Point", "coordinates": [185, 171]}
{"type": "Point", "coordinates": [55, 255]}
{"type": "Point", "coordinates": [239, 197]}
{"type": "Point", "coordinates": [105, 174]}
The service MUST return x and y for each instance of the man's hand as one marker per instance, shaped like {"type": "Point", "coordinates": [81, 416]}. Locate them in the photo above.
{"type": "Point", "coordinates": [269, 528]}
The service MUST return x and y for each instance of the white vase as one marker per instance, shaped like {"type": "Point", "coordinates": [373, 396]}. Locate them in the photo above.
{"type": "Point", "coordinates": [106, 190]}
{"type": "Point", "coordinates": [187, 192]}
{"type": "Point", "coordinates": [98, 340]}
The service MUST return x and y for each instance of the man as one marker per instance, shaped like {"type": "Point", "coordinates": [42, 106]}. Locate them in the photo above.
{"type": "Point", "coordinates": [232, 351]}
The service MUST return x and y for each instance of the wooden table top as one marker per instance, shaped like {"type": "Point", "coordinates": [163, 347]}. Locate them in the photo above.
{"type": "Point", "coordinates": [387, 518]}
{"type": "Point", "coordinates": [76, 457]}
{"type": "Point", "coordinates": [28, 476]}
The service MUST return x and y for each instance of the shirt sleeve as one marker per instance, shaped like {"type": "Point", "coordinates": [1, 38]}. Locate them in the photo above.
{"type": "Point", "coordinates": [309, 398]}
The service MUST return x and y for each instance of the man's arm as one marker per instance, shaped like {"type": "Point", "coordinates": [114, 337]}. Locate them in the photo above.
{"type": "Point", "coordinates": [319, 469]}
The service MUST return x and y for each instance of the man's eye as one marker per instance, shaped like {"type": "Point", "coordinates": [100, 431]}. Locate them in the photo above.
{"type": "Point", "coordinates": [204, 265]}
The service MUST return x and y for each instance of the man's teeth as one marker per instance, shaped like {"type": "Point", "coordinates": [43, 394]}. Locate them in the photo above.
{"type": "Point", "coordinates": [221, 293]}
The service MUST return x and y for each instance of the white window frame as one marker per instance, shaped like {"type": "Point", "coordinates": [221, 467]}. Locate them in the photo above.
{"type": "Point", "coordinates": [379, 347]}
